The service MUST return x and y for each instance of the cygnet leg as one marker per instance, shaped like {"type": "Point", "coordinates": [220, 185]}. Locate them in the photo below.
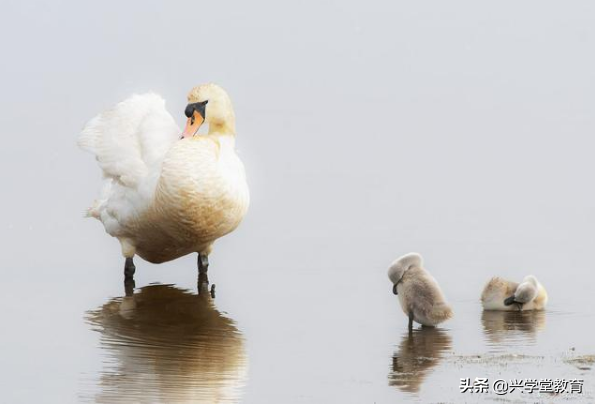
{"type": "Point", "coordinates": [410, 320]}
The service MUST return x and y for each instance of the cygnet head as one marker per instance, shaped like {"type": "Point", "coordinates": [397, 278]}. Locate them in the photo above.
{"type": "Point", "coordinates": [532, 280]}
{"type": "Point", "coordinates": [401, 265]}
{"type": "Point", "coordinates": [209, 103]}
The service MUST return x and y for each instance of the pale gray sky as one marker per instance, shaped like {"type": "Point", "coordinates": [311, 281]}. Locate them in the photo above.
{"type": "Point", "coordinates": [387, 119]}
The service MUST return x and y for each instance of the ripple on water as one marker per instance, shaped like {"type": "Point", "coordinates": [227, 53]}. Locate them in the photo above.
{"type": "Point", "coordinates": [419, 352]}
{"type": "Point", "coordinates": [166, 344]}
{"type": "Point", "coordinates": [503, 329]}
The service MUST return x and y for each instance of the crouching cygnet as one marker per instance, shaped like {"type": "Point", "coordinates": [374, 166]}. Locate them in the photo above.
{"type": "Point", "coordinates": [504, 295]}
{"type": "Point", "coordinates": [420, 296]}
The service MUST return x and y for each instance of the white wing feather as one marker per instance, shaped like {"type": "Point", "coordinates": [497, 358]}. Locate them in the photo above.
{"type": "Point", "coordinates": [129, 141]}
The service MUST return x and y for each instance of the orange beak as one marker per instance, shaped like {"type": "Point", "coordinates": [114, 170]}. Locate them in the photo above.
{"type": "Point", "coordinates": [193, 124]}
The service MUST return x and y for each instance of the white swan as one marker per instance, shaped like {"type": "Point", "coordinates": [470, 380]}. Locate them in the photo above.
{"type": "Point", "coordinates": [503, 295]}
{"type": "Point", "coordinates": [165, 196]}
{"type": "Point", "coordinates": [419, 294]}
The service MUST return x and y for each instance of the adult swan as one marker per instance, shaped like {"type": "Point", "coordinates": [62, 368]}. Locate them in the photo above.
{"type": "Point", "coordinates": [166, 195]}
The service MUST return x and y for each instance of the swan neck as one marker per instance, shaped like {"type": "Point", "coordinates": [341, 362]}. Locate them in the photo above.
{"type": "Point", "coordinates": [227, 140]}
{"type": "Point", "coordinates": [222, 128]}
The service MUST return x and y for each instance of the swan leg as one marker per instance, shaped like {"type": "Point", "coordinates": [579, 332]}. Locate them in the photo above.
{"type": "Point", "coordinates": [203, 283]}
{"type": "Point", "coordinates": [410, 321]}
{"type": "Point", "coordinates": [129, 285]}
{"type": "Point", "coordinates": [129, 269]}
{"type": "Point", "coordinates": [203, 263]}
{"type": "Point", "coordinates": [203, 278]}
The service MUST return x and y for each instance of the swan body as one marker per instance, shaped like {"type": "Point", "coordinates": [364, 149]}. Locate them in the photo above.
{"type": "Point", "coordinates": [504, 295]}
{"type": "Point", "coordinates": [164, 197]}
{"type": "Point", "coordinates": [419, 294]}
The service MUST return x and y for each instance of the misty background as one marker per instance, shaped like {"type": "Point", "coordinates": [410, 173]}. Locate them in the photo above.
{"type": "Point", "coordinates": [461, 130]}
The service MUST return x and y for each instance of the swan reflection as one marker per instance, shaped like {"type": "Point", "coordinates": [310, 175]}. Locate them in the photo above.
{"type": "Point", "coordinates": [166, 344]}
{"type": "Point", "coordinates": [503, 328]}
{"type": "Point", "coordinates": [419, 352]}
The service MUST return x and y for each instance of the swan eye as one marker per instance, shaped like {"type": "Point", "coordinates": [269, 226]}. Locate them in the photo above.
{"type": "Point", "coordinates": [192, 120]}
{"type": "Point", "coordinates": [189, 110]}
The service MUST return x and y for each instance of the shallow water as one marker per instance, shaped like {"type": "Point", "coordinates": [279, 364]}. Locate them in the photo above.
{"type": "Point", "coordinates": [310, 339]}
{"type": "Point", "coordinates": [166, 344]}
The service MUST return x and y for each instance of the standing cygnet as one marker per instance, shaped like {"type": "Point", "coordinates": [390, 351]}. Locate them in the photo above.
{"type": "Point", "coordinates": [420, 296]}
{"type": "Point", "coordinates": [504, 295]}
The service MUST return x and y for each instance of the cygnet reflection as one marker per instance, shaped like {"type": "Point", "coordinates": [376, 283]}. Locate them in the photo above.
{"type": "Point", "coordinates": [503, 328]}
{"type": "Point", "coordinates": [418, 354]}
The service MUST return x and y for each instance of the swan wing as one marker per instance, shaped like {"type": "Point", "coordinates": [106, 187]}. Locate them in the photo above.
{"type": "Point", "coordinates": [129, 142]}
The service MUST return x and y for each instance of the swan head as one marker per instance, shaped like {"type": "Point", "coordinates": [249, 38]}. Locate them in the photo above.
{"type": "Point", "coordinates": [531, 280]}
{"type": "Point", "coordinates": [525, 292]}
{"type": "Point", "coordinates": [398, 268]}
{"type": "Point", "coordinates": [209, 103]}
